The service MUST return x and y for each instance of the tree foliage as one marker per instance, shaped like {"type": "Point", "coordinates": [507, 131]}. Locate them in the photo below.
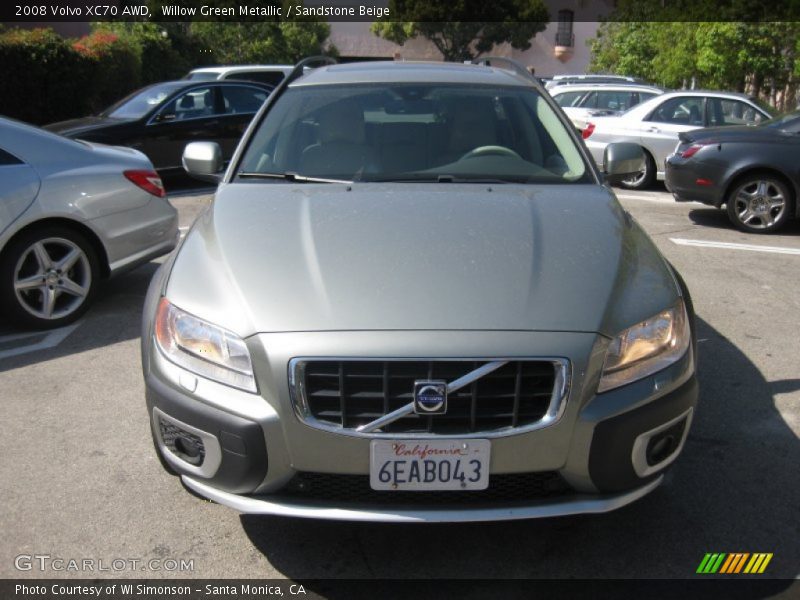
{"type": "Point", "coordinates": [464, 29]}
{"type": "Point", "coordinates": [262, 42]}
{"type": "Point", "coordinates": [247, 40]}
{"type": "Point", "coordinates": [101, 68]}
{"type": "Point", "coordinates": [748, 56]}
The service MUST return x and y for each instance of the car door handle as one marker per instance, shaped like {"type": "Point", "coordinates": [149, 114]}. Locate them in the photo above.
{"type": "Point", "coordinates": [654, 130]}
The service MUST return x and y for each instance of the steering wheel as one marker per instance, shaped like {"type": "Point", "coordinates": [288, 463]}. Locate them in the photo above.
{"type": "Point", "coordinates": [490, 151]}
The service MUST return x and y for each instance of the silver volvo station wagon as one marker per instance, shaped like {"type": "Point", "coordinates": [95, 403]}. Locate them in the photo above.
{"type": "Point", "coordinates": [414, 298]}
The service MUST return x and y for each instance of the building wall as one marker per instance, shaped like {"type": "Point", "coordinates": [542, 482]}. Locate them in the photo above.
{"type": "Point", "coordinates": [356, 40]}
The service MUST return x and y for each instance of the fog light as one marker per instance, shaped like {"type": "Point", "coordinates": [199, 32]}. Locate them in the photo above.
{"type": "Point", "coordinates": [186, 446]}
{"type": "Point", "coordinates": [664, 444]}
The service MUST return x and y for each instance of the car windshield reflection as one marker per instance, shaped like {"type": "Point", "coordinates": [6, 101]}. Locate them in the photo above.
{"type": "Point", "coordinates": [414, 133]}
{"type": "Point", "coordinates": [141, 102]}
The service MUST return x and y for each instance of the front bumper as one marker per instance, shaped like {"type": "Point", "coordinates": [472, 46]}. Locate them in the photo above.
{"type": "Point", "coordinates": [262, 445]}
{"type": "Point", "coordinates": [574, 505]}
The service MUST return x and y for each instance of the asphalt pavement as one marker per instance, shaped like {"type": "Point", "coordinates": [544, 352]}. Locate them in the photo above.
{"type": "Point", "coordinates": [81, 480]}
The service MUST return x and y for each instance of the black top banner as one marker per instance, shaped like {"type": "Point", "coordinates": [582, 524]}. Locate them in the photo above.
{"type": "Point", "coordinates": [42, 11]}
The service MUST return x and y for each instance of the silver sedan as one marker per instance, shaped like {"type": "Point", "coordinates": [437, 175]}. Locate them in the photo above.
{"type": "Point", "coordinates": [71, 214]}
{"type": "Point", "coordinates": [656, 124]}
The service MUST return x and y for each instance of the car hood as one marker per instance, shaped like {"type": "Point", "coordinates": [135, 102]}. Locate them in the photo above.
{"type": "Point", "coordinates": [326, 257]}
{"type": "Point", "coordinates": [76, 127]}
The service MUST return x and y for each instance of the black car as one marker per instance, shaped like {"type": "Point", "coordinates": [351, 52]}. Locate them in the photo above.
{"type": "Point", "coordinates": [162, 118]}
{"type": "Point", "coordinates": [755, 171]}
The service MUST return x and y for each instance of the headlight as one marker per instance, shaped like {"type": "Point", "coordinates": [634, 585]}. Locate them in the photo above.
{"type": "Point", "coordinates": [647, 347]}
{"type": "Point", "coordinates": [203, 348]}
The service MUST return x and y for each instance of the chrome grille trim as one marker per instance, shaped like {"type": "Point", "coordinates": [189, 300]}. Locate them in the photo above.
{"type": "Point", "coordinates": [453, 386]}
{"type": "Point", "coordinates": [562, 369]}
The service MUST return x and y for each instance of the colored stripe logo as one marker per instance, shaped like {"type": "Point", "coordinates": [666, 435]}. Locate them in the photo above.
{"type": "Point", "coordinates": [734, 563]}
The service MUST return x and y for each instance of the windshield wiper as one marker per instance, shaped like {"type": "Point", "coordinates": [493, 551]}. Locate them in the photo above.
{"type": "Point", "coordinates": [289, 176]}
{"type": "Point", "coordinates": [444, 179]}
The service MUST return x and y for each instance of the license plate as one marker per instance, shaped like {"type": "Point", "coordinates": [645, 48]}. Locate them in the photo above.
{"type": "Point", "coordinates": [413, 465]}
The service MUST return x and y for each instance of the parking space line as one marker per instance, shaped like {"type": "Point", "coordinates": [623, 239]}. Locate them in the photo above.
{"type": "Point", "coordinates": [646, 198]}
{"type": "Point", "coordinates": [657, 199]}
{"type": "Point", "coordinates": [732, 246]}
{"type": "Point", "coordinates": [51, 340]}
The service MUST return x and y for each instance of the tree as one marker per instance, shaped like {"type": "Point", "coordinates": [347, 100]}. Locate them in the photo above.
{"type": "Point", "coordinates": [656, 40]}
{"type": "Point", "coordinates": [165, 50]}
{"type": "Point", "coordinates": [464, 29]}
{"type": "Point", "coordinates": [263, 42]}
{"type": "Point", "coordinates": [624, 47]}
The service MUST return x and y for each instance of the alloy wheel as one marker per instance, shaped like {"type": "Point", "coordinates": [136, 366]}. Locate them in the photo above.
{"type": "Point", "coordinates": [52, 278]}
{"type": "Point", "coordinates": [759, 204]}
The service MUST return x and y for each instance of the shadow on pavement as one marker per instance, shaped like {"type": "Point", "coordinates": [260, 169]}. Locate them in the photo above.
{"type": "Point", "coordinates": [734, 489]}
{"type": "Point", "coordinates": [718, 219]}
{"type": "Point", "coordinates": [115, 316]}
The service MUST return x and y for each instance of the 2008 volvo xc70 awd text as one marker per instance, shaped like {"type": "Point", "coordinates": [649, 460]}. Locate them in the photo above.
{"type": "Point", "coordinates": [414, 299]}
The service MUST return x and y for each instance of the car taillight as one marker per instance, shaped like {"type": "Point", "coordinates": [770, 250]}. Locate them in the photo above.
{"type": "Point", "coordinates": [588, 131]}
{"type": "Point", "coordinates": [149, 181]}
{"type": "Point", "coordinates": [692, 150]}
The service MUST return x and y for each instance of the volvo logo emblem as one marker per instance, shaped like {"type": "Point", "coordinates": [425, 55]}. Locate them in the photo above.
{"type": "Point", "coordinates": [430, 397]}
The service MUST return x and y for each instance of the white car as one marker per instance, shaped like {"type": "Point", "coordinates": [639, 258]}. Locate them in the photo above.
{"type": "Point", "coordinates": [557, 80]}
{"type": "Point", "coordinates": [656, 123]}
{"type": "Point", "coordinates": [270, 74]}
{"type": "Point", "coordinates": [582, 102]}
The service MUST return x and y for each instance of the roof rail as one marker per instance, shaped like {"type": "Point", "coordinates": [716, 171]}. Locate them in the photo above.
{"type": "Point", "coordinates": [510, 65]}
{"type": "Point", "coordinates": [300, 67]}
{"type": "Point", "coordinates": [298, 71]}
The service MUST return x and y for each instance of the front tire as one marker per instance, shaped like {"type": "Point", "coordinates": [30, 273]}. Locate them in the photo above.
{"type": "Point", "coordinates": [759, 203]}
{"type": "Point", "coordinates": [642, 179]}
{"type": "Point", "coordinates": [48, 277]}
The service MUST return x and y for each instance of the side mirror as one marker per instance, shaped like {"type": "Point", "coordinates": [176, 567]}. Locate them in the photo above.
{"type": "Point", "coordinates": [622, 159]}
{"type": "Point", "coordinates": [203, 160]}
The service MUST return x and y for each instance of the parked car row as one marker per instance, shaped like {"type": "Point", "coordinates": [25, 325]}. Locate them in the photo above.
{"type": "Point", "coordinates": [90, 203]}
{"type": "Point", "coordinates": [719, 148]}
{"type": "Point", "coordinates": [655, 124]}
{"type": "Point", "coordinates": [750, 170]}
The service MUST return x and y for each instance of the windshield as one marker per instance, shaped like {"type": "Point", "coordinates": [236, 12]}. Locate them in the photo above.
{"type": "Point", "coordinates": [414, 132]}
{"type": "Point", "coordinates": [141, 102]}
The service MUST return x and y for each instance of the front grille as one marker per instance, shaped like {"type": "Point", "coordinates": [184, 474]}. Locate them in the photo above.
{"type": "Point", "coordinates": [355, 489]}
{"type": "Point", "coordinates": [348, 394]}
